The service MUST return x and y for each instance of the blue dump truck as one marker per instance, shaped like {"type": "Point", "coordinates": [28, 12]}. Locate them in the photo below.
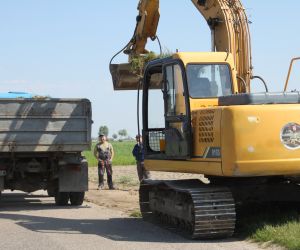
{"type": "Point", "coordinates": [41, 144]}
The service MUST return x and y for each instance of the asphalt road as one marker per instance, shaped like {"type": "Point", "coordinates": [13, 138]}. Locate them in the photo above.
{"type": "Point", "coordinates": [33, 222]}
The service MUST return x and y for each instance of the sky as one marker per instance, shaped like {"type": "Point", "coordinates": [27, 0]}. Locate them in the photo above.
{"type": "Point", "coordinates": [62, 48]}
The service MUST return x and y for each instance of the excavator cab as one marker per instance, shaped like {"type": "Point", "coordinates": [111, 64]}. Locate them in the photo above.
{"type": "Point", "coordinates": [172, 88]}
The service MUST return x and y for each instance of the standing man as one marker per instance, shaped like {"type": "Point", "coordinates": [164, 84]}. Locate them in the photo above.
{"type": "Point", "coordinates": [138, 153]}
{"type": "Point", "coordinates": [104, 153]}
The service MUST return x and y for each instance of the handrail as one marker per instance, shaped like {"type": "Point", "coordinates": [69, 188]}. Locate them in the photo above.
{"type": "Point", "coordinates": [289, 73]}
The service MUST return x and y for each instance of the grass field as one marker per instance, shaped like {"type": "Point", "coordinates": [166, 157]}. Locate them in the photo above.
{"type": "Point", "coordinates": [273, 223]}
{"type": "Point", "coordinates": [123, 155]}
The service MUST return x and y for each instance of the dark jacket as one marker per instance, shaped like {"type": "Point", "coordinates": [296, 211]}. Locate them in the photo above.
{"type": "Point", "coordinates": [138, 152]}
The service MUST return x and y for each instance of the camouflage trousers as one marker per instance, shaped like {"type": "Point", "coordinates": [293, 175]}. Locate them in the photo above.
{"type": "Point", "coordinates": [102, 167]}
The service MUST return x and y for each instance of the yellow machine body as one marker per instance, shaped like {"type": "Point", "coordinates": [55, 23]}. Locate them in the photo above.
{"type": "Point", "coordinates": [247, 138]}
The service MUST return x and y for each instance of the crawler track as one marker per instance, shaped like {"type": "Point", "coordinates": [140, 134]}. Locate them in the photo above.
{"type": "Point", "coordinates": [191, 208]}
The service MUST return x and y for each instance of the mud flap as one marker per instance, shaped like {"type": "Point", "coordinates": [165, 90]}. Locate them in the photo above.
{"type": "Point", "coordinates": [73, 178]}
{"type": "Point", "coordinates": [1, 183]}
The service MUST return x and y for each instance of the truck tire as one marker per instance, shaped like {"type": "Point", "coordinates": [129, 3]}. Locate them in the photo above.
{"type": "Point", "coordinates": [61, 198]}
{"type": "Point", "coordinates": [76, 198]}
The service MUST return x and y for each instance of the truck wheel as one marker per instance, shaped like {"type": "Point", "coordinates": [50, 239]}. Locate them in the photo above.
{"type": "Point", "coordinates": [76, 198]}
{"type": "Point", "coordinates": [62, 198]}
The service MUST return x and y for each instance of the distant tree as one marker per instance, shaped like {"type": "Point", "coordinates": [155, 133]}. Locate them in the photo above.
{"type": "Point", "coordinates": [122, 133]}
{"type": "Point", "coordinates": [115, 136]}
{"type": "Point", "coordinates": [103, 130]}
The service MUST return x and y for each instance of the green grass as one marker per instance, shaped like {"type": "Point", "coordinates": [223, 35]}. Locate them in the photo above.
{"type": "Point", "coordinates": [123, 155]}
{"type": "Point", "coordinates": [136, 214]}
{"type": "Point", "coordinates": [276, 224]}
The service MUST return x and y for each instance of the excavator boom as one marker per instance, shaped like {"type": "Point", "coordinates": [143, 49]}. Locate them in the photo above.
{"type": "Point", "coordinates": [228, 22]}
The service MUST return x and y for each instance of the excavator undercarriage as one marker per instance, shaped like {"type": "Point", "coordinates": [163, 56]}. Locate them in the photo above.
{"type": "Point", "coordinates": [197, 210]}
{"type": "Point", "coordinates": [194, 209]}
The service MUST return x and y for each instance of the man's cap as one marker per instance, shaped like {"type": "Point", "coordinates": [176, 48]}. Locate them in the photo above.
{"type": "Point", "coordinates": [101, 134]}
{"type": "Point", "coordinates": [138, 136]}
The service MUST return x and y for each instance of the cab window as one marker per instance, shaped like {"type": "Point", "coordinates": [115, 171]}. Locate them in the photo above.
{"type": "Point", "coordinates": [209, 80]}
{"type": "Point", "coordinates": [174, 90]}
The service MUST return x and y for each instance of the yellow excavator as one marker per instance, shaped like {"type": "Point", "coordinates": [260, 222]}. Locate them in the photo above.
{"type": "Point", "coordinates": [199, 116]}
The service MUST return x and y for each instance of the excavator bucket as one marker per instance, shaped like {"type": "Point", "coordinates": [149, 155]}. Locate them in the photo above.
{"type": "Point", "coordinates": [123, 78]}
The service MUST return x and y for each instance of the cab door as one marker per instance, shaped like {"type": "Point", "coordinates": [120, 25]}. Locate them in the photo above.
{"type": "Point", "coordinates": [177, 112]}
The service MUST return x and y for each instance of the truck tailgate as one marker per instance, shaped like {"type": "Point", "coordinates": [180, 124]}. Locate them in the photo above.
{"type": "Point", "coordinates": [45, 125]}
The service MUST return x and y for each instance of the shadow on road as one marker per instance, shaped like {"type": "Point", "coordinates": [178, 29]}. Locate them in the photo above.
{"type": "Point", "coordinates": [117, 229]}
{"type": "Point", "coordinates": [23, 201]}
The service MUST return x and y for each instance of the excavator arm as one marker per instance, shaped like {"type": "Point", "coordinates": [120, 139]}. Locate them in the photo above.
{"type": "Point", "coordinates": [146, 26]}
{"type": "Point", "coordinates": [229, 28]}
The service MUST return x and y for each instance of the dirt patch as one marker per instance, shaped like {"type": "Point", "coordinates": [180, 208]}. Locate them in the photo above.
{"type": "Point", "coordinates": [121, 200]}
{"type": "Point", "coordinates": [125, 197]}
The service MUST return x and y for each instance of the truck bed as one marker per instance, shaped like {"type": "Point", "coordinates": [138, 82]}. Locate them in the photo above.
{"type": "Point", "coordinates": [45, 125]}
